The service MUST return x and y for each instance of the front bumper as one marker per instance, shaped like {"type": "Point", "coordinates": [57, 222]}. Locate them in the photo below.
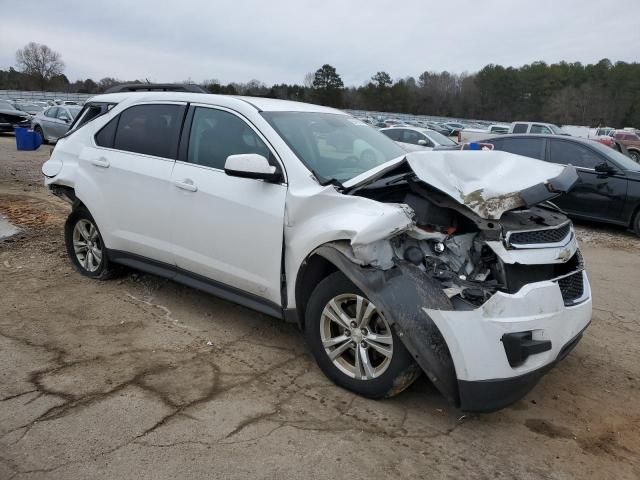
{"type": "Point", "coordinates": [484, 396]}
{"type": "Point", "coordinates": [486, 379]}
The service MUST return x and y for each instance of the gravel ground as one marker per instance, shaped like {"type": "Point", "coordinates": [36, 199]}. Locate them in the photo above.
{"type": "Point", "coordinates": [142, 378]}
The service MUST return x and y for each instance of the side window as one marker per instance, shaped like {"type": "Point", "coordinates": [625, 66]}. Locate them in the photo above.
{"type": "Point", "coordinates": [528, 147]}
{"type": "Point", "coordinates": [540, 129]}
{"type": "Point", "coordinates": [520, 128]}
{"type": "Point", "coordinates": [106, 135]}
{"type": "Point", "coordinates": [150, 130]}
{"type": "Point", "coordinates": [394, 134]}
{"type": "Point", "coordinates": [572, 153]}
{"type": "Point", "coordinates": [216, 134]}
{"type": "Point", "coordinates": [412, 137]}
{"type": "Point", "coordinates": [63, 114]}
{"type": "Point", "coordinates": [52, 112]}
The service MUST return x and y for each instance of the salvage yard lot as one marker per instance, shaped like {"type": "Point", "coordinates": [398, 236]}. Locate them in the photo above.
{"type": "Point", "coordinates": [139, 377]}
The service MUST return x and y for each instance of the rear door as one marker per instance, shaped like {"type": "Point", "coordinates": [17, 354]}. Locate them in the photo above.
{"type": "Point", "coordinates": [227, 229]}
{"type": "Point", "coordinates": [595, 195]}
{"type": "Point", "coordinates": [128, 174]}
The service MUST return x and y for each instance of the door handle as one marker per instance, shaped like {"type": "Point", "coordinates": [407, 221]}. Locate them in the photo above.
{"type": "Point", "coordinates": [100, 162]}
{"type": "Point", "coordinates": [186, 184]}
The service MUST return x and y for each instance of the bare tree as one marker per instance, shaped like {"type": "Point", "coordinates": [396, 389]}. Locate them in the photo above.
{"type": "Point", "coordinates": [40, 62]}
{"type": "Point", "coordinates": [308, 79]}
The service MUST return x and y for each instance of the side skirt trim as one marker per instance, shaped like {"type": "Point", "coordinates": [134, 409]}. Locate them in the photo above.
{"type": "Point", "coordinates": [196, 281]}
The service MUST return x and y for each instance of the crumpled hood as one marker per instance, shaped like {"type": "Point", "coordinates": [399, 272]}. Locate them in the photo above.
{"type": "Point", "coordinates": [491, 182]}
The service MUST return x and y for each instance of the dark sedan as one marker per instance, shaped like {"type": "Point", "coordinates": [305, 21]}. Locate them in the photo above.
{"type": "Point", "coordinates": [608, 189]}
{"type": "Point", "coordinates": [11, 117]}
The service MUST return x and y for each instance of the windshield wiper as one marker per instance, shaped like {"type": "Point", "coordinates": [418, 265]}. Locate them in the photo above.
{"type": "Point", "coordinates": [327, 181]}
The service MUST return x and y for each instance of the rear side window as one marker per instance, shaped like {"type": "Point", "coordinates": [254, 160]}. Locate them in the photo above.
{"type": "Point", "coordinates": [520, 128]}
{"type": "Point", "coordinates": [216, 134]}
{"type": "Point", "coordinates": [393, 134]}
{"type": "Point", "coordinates": [565, 153]}
{"type": "Point", "coordinates": [150, 130]}
{"type": "Point", "coordinates": [106, 135]}
{"type": "Point", "coordinates": [528, 147]}
{"type": "Point", "coordinates": [52, 112]}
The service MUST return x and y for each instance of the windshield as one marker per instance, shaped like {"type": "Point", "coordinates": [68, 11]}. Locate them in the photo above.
{"type": "Point", "coordinates": [73, 111]}
{"type": "Point", "coordinates": [441, 139]}
{"type": "Point", "coordinates": [622, 160]}
{"type": "Point", "coordinates": [333, 146]}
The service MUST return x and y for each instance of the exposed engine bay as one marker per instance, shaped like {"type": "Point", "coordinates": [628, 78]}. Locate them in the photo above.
{"type": "Point", "coordinates": [467, 254]}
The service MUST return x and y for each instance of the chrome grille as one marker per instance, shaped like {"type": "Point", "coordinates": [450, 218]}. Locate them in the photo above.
{"type": "Point", "coordinates": [540, 237]}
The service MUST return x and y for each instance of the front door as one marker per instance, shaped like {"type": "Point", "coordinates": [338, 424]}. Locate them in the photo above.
{"type": "Point", "coordinates": [595, 195]}
{"type": "Point", "coordinates": [225, 228]}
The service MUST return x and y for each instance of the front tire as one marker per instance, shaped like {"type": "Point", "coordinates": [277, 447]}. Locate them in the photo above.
{"type": "Point", "coordinates": [353, 344]}
{"type": "Point", "coordinates": [85, 246]}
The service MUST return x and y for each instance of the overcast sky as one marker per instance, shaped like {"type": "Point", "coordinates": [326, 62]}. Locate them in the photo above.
{"type": "Point", "coordinates": [279, 41]}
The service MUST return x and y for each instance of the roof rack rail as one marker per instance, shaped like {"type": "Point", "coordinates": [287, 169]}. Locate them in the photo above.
{"type": "Point", "coordinates": [156, 87]}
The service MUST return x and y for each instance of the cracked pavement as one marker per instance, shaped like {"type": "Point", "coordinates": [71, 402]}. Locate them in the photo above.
{"type": "Point", "coordinates": [139, 377]}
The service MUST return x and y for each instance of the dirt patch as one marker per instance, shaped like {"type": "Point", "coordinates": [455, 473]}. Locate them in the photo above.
{"type": "Point", "coordinates": [548, 429]}
{"type": "Point", "coordinates": [29, 212]}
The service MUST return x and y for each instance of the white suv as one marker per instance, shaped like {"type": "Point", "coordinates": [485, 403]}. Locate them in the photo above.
{"type": "Point", "coordinates": [392, 263]}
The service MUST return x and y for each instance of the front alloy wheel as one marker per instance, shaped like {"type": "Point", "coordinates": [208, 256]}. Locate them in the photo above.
{"type": "Point", "coordinates": [353, 343]}
{"type": "Point", "coordinates": [356, 337]}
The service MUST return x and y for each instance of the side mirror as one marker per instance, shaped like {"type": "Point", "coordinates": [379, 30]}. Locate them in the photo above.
{"type": "Point", "coordinates": [251, 165]}
{"type": "Point", "coordinates": [605, 169]}
{"type": "Point", "coordinates": [65, 119]}
{"type": "Point", "coordinates": [422, 142]}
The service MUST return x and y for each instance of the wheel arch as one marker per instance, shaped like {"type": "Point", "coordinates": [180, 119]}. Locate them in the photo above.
{"type": "Point", "coordinates": [400, 293]}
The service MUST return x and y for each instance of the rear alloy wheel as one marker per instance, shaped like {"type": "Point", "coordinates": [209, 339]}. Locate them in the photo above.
{"type": "Point", "coordinates": [85, 246]}
{"type": "Point", "coordinates": [353, 343]}
{"type": "Point", "coordinates": [635, 156]}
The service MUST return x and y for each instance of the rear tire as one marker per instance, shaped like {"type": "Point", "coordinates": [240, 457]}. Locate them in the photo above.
{"type": "Point", "coordinates": [353, 344]}
{"type": "Point", "coordinates": [39, 131]}
{"type": "Point", "coordinates": [85, 246]}
{"type": "Point", "coordinates": [635, 156]}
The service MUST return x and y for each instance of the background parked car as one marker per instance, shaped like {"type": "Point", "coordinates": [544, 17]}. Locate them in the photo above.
{"type": "Point", "coordinates": [11, 117]}
{"type": "Point", "coordinates": [415, 138]}
{"type": "Point", "coordinates": [631, 141]}
{"type": "Point", "coordinates": [536, 127]}
{"type": "Point", "coordinates": [28, 107]}
{"type": "Point", "coordinates": [454, 127]}
{"type": "Point", "coordinates": [608, 189]}
{"type": "Point", "coordinates": [54, 122]}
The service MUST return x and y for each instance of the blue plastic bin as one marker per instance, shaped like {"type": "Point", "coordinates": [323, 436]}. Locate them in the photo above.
{"type": "Point", "coordinates": [27, 139]}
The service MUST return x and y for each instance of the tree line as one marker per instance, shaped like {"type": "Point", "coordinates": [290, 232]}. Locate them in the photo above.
{"type": "Point", "coordinates": [562, 93]}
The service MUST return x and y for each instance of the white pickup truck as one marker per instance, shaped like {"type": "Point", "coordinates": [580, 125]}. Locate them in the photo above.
{"type": "Point", "coordinates": [475, 134]}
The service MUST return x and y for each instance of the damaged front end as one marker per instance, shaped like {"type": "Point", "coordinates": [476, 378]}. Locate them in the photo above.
{"type": "Point", "coordinates": [486, 290]}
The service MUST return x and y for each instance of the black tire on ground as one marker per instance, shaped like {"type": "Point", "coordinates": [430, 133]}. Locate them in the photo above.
{"type": "Point", "coordinates": [39, 131]}
{"type": "Point", "coordinates": [635, 224]}
{"type": "Point", "coordinates": [402, 370]}
{"type": "Point", "coordinates": [100, 270]}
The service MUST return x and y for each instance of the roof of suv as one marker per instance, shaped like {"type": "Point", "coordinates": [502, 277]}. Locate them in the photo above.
{"type": "Point", "coordinates": [259, 103]}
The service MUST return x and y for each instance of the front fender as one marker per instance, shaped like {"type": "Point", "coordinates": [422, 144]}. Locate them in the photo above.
{"type": "Point", "coordinates": [401, 293]}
